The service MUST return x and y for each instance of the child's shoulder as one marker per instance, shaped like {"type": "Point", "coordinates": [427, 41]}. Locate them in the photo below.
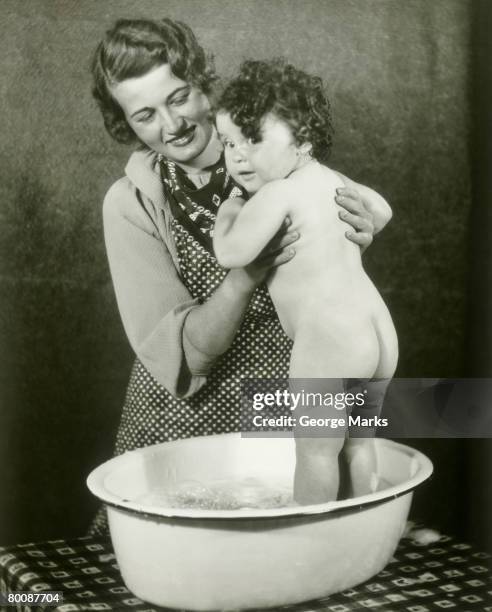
{"type": "Point", "coordinates": [315, 171]}
{"type": "Point", "coordinates": [340, 178]}
{"type": "Point", "coordinates": [328, 172]}
{"type": "Point", "coordinates": [277, 192]}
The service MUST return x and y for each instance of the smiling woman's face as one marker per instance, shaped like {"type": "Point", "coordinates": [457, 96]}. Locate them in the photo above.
{"type": "Point", "coordinates": [168, 115]}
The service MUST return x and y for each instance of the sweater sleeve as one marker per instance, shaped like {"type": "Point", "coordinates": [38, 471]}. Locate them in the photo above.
{"type": "Point", "coordinates": [152, 301]}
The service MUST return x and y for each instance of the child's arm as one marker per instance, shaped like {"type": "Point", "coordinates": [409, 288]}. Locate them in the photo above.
{"type": "Point", "coordinates": [242, 230]}
{"type": "Point", "coordinates": [377, 206]}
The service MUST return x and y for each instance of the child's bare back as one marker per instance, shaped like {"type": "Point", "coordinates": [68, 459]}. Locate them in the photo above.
{"type": "Point", "coordinates": [324, 292]}
{"type": "Point", "coordinates": [324, 299]}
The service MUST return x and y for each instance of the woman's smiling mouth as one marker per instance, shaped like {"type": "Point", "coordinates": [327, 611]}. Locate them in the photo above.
{"type": "Point", "coordinates": [182, 139]}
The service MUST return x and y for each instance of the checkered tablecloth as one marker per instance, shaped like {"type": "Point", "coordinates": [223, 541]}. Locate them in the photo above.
{"type": "Point", "coordinates": [445, 575]}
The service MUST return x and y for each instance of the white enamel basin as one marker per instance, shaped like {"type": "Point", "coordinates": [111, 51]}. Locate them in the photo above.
{"type": "Point", "coordinates": [239, 559]}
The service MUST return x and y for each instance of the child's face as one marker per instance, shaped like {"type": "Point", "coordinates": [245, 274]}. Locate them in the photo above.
{"type": "Point", "coordinates": [254, 164]}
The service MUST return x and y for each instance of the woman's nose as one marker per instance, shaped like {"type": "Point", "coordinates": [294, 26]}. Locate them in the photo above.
{"type": "Point", "coordinates": [171, 122]}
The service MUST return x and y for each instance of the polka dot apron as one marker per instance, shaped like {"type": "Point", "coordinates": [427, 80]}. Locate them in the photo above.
{"type": "Point", "coordinates": [260, 350]}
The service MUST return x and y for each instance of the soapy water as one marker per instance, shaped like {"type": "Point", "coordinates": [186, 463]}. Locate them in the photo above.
{"type": "Point", "coordinates": [230, 494]}
{"type": "Point", "coordinates": [247, 493]}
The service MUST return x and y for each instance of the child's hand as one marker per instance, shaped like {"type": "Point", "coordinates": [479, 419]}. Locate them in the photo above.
{"type": "Point", "coordinates": [357, 215]}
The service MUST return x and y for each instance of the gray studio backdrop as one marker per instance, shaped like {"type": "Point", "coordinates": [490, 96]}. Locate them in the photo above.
{"type": "Point", "coordinates": [400, 76]}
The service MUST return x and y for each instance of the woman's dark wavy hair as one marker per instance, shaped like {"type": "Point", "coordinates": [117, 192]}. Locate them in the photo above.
{"type": "Point", "coordinates": [292, 95]}
{"type": "Point", "coordinates": [130, 49]}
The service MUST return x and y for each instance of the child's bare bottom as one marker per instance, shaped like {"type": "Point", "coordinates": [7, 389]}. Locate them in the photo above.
{"type": "Point", "coordinates": [363, 349]}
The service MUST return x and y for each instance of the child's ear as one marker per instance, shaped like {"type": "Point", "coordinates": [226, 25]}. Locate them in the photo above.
{"type": "Point", "coordinates": [304, 149]}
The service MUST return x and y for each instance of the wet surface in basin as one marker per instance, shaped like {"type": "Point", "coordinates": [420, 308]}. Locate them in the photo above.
{"type": "Point", "coordinates": [219, 495]}
{"type": "Point", "coordinates": [230, 494]}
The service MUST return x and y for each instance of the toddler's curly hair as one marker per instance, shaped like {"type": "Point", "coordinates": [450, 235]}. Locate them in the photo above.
{"type": "Point", "coordinates": [292, 95]}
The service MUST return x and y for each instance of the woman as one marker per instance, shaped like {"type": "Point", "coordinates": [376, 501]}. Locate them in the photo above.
{"type": "Point", "coordinates": [196, 329]}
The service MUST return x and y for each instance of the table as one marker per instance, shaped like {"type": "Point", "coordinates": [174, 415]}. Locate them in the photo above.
{"type": "Point", "coordinates": [444, 575]}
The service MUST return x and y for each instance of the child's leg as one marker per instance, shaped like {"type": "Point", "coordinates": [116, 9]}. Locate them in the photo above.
{"type": "Point", "coordinates": [359, 453]}
{"type": "Point", "coordinates": [316, 477]}
{"type": "Point", "coordinates": [327, 353]}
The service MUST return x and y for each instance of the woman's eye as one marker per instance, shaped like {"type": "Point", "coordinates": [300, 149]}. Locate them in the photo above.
{"type": "Point", "coordinates": [228, 144]}
{"type": "Point", "coordinates": [145, 118]}
{"type": "Point", "coordinates": [181, 100]}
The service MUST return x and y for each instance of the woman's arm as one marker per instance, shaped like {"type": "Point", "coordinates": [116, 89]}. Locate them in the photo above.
{"type": "Point", "coordinates": [175, 337]}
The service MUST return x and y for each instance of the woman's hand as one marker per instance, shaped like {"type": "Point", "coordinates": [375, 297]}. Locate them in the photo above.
{"type": "Point", "coordinates": [356, 213]}
{"type": "Point", "coordinates": [277, 252]}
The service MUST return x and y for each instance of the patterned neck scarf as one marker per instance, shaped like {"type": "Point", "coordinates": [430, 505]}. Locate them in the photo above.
{"type": "Point", "coordinates": [196, 207]}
